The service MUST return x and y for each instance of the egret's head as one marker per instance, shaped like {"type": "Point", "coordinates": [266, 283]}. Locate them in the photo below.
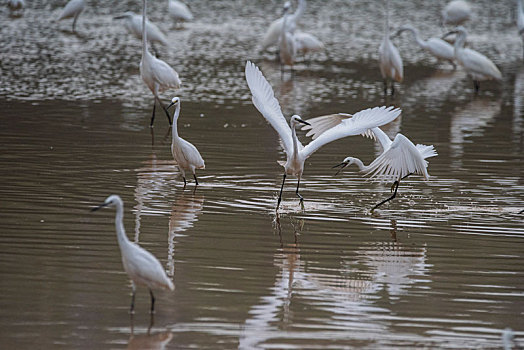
{"type": "Point", "coordinates": [287, 6]}
{"type": "Point", "coordinates": [347, 161]}
{"type": "Point", "coordinates": [460, 30]}
{"type": "Point", "coordinates": [174, 101]}
{"type": "Point", "coordinates": [109, 202]}
{"type": "Point", "coordinates": [295, 119]}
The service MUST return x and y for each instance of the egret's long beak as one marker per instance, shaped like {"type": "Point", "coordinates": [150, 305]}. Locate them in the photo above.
{"type": "Point", "coordinates": [303, 122]}
{"type": "Point", "coordinates": [397, 33]}
{"type": "Point", "coordinates": [100, 206]}
{"type": "Point", "coordinates": [341, 165]}
{"type": "Point", "coordinates": [449, 33]}
{"type": "Point", "coordinates": [171, 105]}
{"type": "Point", "coordinates": [120, 17]}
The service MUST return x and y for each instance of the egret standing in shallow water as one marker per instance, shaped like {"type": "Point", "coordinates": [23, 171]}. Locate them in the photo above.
{"type": "Point", "coordinates": [272, 35]}
{"type": "Point", "coordinates": [156, 74]}
{"type": "Point", "coordinates": [72, 9]}
{"type": "Point", "coordinates": [400, 158]}
{"type": "Point", "coordinates": [478, 66]}
{"type": "Point", "coordinates": [264, 100]}
{"type": "Point", "coordinates": [389, 60]}
{"type": "Point", "coordinates": [287, 43]}
{"type": "Point", "coordinates": [185, 153]}
{"type": "Point", "coordinates": [140, 265]}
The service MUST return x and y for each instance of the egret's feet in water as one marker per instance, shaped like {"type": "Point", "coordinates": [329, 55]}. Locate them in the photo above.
{"type": "Point", "coordinates": [302, 203]}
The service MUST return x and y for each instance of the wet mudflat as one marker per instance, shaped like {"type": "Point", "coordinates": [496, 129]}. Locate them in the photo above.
{"type": "Point", "coordinates": [438, 267]}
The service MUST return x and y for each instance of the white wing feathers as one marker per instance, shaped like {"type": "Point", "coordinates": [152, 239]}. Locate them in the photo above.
{"type": "Point", "coordinates": [323, 123]}
{"type": "Point", "coordinates": [264, 100]}
{"type": "Point", "coordinates": [358, 124]}
{"type": "Point", "coordinates": [401, 159]}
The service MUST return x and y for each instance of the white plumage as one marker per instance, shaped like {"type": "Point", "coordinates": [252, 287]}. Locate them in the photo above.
{"type": "Point", "coordinates": [456, 12]}
{"type": "Point", "coordinates": [272, 35]}
{"type": "Point", "coordinates": [185, 153]}
{"type": "Point", "coordinates": [264, 100]}
{"type": "Point", "coordinates": [389, 60]}
{"type": "Point", "coordinates": [520, 22]}
{"type": "Point", "coordinates": [140, 265]}
{"type": "Point", "coordinates": [72, 9]}
{"type": "Point", "coordinates": [306, 42]}
{"type": "Point", "coordinates": [179, 11]}
{"type": "Point", "coordinates": [133, 23]}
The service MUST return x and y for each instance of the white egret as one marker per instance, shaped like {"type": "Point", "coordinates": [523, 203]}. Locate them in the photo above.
{"type": "Point", "coordinates": [399, 159]}
{"type": "Point", "coordinates": [389, 60]}
{"type": "Point", "coordinates": [520, 22]}
{"type": "Point", "coordinates": [287, 44]}
{"type": "Point", "coordinates": [306, 42]}
{"type": "Point", "coordinates": [437, 47]}
{"type": "Point", "coordinates": [185, 153]}
{"type": "Point", "coordinates": [273, 33]}
{"type": "Point", "coordinates": [133, 23]}
{"type": "Point", "coordinates": [179, 11]}
{"type": "Point", "coordinates": [140, 265]}
{"type": "Point", "coordinates": [456, 12]}
{"type": "Point", "coordinates": [478, 66]}
{"type": "Point", "coordinates": [264, 100]}
{"type": "Point", "coordinates": [73, 9]}
{"type": "Point", "coordinates": [156, 74]}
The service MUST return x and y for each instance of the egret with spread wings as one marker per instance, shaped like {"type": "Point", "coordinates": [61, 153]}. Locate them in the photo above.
{"type": "Point", "coordinates": [264, 100]}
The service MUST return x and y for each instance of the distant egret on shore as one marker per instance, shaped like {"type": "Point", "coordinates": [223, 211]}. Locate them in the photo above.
{"type": "Point", "coordinates": [156, 74]}
{"type": "Point", "coordinates": [179, 11]}
{"type": "Point", "coordinates": [140, 265]}
{"type": "Point", "coordinates": [72, 9]}
{"type": "Point", "coordinates": [264, 100]}
{"type": "Point", "coordinates": [185, 153]}
{"type": "Point", "coordinates": [389, 60]}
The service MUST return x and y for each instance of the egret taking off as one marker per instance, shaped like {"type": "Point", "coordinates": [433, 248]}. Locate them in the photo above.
{"type": "Point", "coordinates": [399, 159]}
{"type": "Point", "coordinates": [179, 11]}
{"type": "Point", "coordinates": [437, 47]}
{"type": "Point", "coordinates": [156, 74]}
{"type": "Point", "coordinates": [264, 100]}
{"type": "Point", "coordinates": [140, 265]}
{"type": "Point", "coordinates": [389, 59]}
{"type": "Point", "coordinates": [73, 9]}
{"type": "Point", "coordinates": [478, 66]}
{"type": "Point", "coordinates": [133, 23]}
{"type": "Point", "coordinates": [456, 12]}
{"type": "Point", "coordinates": [185, 153]}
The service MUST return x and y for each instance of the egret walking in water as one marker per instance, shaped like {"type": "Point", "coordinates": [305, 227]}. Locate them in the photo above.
{"type": "Point", "coordinates": [456, 12]}
{"type": "Point", "coordinates": [185, 153]}
{"type": "Point", "coordinates": [140, 265]}
{"type": "Point", "coordinates": [179, 11]}
{"type": "Point", "coordinates": [156, 74]}
{"type": "Point", "coordinates": [389, 60]}
{"type": "Point", "coordinates": [478, 66]}
{"type": "Point", "coordinates": [73, 9]}
{"type": "Point", "coordinates": [400, 158]}
{"type": "Point", "coordinates": [133, 23]}
{"type": "Point", "coordinates": [437, 47]}
{"type": "Point", "coordinates": [264, 100]}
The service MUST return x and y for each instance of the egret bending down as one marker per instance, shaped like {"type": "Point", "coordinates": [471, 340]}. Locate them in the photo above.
{"type": "Point", "coordinates": [399, 159]}
{"type": "Point", "coordinates": [156, 74]}
{"type": "Point", "coordinates": [476, 65]}
{"type": "Point", "coordinates": [72, 9]}
{"type": "Point", "coordinates": [140, 265]}
{"type": "Point", "coordinates": [264, 100]}
{"type": "Point", "coordinates": [185, 153]}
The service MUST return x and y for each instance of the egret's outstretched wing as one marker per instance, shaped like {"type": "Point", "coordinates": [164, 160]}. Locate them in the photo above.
{"type": "Point", "coordinates": [427, 151]}
{"type": "Point", "coordinates": [319, 125]}
{"type": "Point", "coordinates": [401, 159]}
{"type": "Point", "coordinates": [378, 135]}
{"type": "Point", "coordinates": [266, 103]}
{"type": "Point", "coordinates": [358, 124]}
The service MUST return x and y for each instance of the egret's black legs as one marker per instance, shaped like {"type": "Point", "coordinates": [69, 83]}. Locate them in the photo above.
{"type": "Point", "coordinates": [152, 302]}
{"type": "Point", "coordinates": [385, 87]}
{"type": "Point", "coordinates": [165, 110]}
{"type": "Point", "coordinates": [196, 181]}
{"type": "Point", "coordinates": [185, 182]}
{"type": "Point", "coordinates": [392, 88]}
{"type": "Point", "coordinates": [74, 23]}
{"type": "Point", "coordinates": [132, 308]}
{"type": "Point", "coordinates": [153, 115]}
{"type": "Point", "coordinates": [281, 189]}
{"type": "Point", "coordinates": [476, 84]}
{"type": "Point", "coordinates": [299, 195]}
{"type": "Point", "coordinates": [395, 184]}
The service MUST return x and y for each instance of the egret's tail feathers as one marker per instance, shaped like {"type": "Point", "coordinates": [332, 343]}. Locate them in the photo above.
{"type": "Point", "coordinates": [427, 151]}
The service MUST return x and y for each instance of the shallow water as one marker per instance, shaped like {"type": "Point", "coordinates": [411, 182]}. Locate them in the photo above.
{"type": "Point", "coordinates": [438, 267]}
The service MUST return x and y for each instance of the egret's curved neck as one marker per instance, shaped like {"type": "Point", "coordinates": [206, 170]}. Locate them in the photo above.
{"type": "Point", "coordinates": [175, 122]}
{"type": "Point", "coordinates": [460, 41]}
{"type": "Point", "coordinates": [360, 165]}
{"type": "Point", "coordinates": [119, 225]}
{"type": "Point", "coordinates": [417, 37]}
{"type": "Point", "coordinates": [284, 29]}
{"type": "Point", "coordinates": [295, 140]}
{"type": "Point", "coordinates": [301, 8]}
{"type": "Point", "coordinates": [144, 32]}
{"type": "Point", "coordinates": [386, 28]}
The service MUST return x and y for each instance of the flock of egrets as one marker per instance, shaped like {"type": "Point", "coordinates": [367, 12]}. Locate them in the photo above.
{"type": "Point", "coordinates": [400, 157]}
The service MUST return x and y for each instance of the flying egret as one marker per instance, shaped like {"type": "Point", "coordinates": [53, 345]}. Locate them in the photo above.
{"type": "Point", "coordinates": [520, 22]}
{"type": "Point", "coordinates": [478, 66]}
{"type": "Point", "coordinates": [185, 153]}
{"type": "Point", "coordinates": [179, 11]}
{"type": "Point", "coordinates": [287, 43]}
{"type": "Point", "coordinates": [272, 35]}
{"type": "Point", "coordinates": [156, 74]}
{"type": "Point", "coordinates": [140, 265]}
{"type": "Point", "coordinates": [399, 159]}
{"type": "Point", "coordinates": [264, 100]}
{"type": "Point", "coordinates": [437, 47]}
{"type": "Point", "coordinates": [389, 60]}
{"type": "Point", "coordinates": [133, 23]}
{"type": "Point", "coordinates": [456, 12]}
{"type": "Point", "coordinates": [73, 9]}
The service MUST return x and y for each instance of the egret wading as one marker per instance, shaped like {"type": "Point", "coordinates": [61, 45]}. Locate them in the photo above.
{"type": "Point", "coordinates": [185, 153]}
{"type": "Point", "coordinates": [287, 43]}
{"type": "Point", "coordinates": [264, 100]}
{"type": "Point", "coordinates": [389, 60]}
{"type": "Point", "coordinates": [140, 265]}
{"type": "Point", "coordinates": [272, 35]}
{"type": "Point", "coordinates": [72, 9]}
{"type": "Point", "coordinates": [476, 65]}
{"type": "Point", "coordinates": [156, 74]}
